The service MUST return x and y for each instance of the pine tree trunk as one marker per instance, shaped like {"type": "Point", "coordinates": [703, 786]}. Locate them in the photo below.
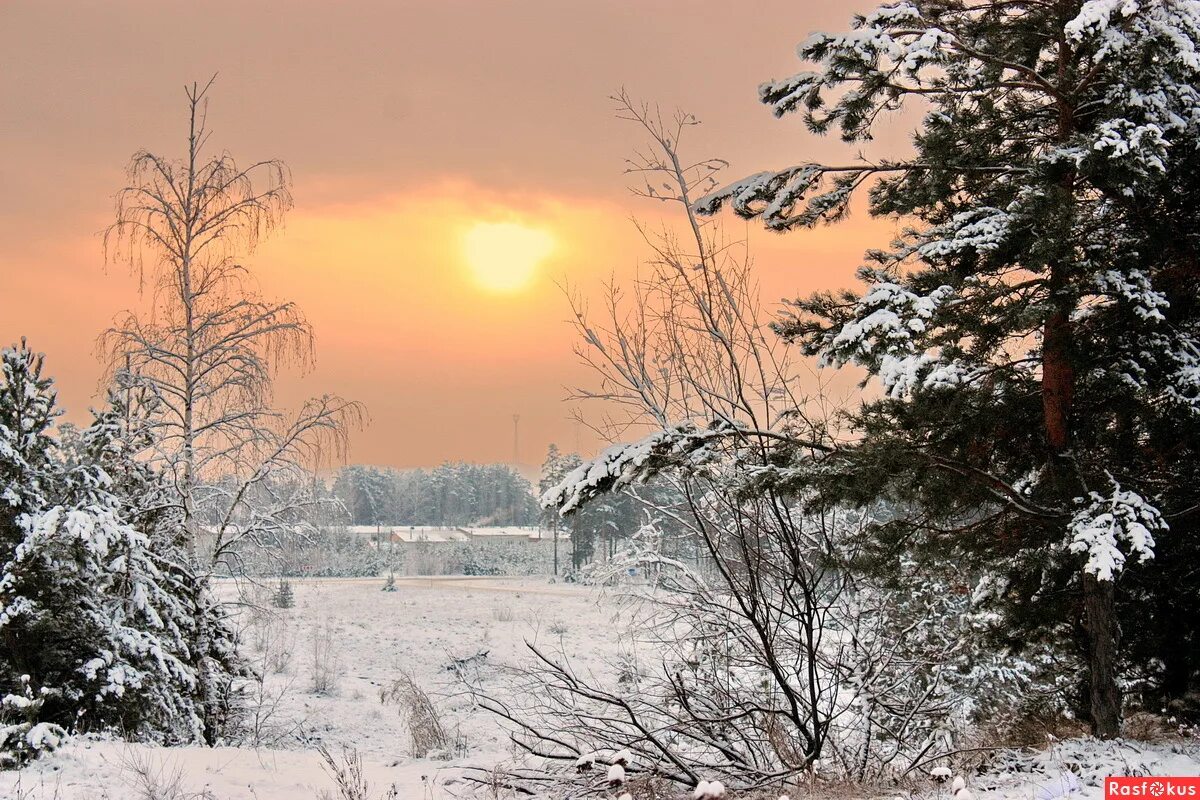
{"type": "Point", "coordinates": [1058, 381]}
{"type": "Point", "coordinates": [1100, 621]}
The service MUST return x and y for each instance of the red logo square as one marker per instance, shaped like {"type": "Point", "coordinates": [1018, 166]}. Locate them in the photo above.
{"type": "Point", "coordinates": [1151, 787]}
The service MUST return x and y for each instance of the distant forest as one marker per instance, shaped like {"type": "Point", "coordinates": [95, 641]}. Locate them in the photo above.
{"type": "Point", "coordinates": [454, 493]}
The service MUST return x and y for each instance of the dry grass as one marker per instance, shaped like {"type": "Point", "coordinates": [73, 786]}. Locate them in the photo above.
{"type": "Point", "coordinates": [1143, 726]}
{"type": "Point", "coordinates": [325, 662]}
{"type": "Point", "coordinates": [425, 729]}
{"type": "Point", "coordinates": [39, 790]}
{"type": "Point", "coordinates": [348, 778]}
{"type": "Point", "coordinates": [1033, 730]}
{"type": "Point", "coordinates": [157, 780]}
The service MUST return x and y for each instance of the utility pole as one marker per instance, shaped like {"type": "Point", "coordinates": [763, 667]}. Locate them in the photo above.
{"type": "Point", "coordinates": [517, 442]}
{"type": "Point", "coordinates": [512, 501]}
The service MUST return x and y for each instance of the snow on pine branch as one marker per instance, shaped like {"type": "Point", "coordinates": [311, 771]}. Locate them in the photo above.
{"type": "Point", "coordinates": [1135, 288]}
{"type": "Point", "coordinates": [1096, 17]}
{"type": "Point", "coordinates": [887, 333]}
{"type": "Point", "coordinates": [771, 195]}
{"type": "Point", "coordinates": [981, 229]}
{"type": "Point", "coordinates": [1140, 59]}
{"type": "Point", "coordinates": [889, 41]}
{"type": "Point", "coordinates": [1101, 526]}
{"type": "Point", "coordinates": [626, 464]}
{"type": "Point", "coordinates": [1152, 105]}
{"type": "Point", "coordinates": [888, 317]}
{"type": "Point", "coordinates": [95, 530]}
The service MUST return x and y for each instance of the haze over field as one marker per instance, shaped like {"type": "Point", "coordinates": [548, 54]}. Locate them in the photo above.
{"type": "Point", "coordinates": [406, 126]}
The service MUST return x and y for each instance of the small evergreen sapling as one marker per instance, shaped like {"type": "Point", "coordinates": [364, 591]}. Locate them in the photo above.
{"type": "Point", "coordinates": [284, 597]}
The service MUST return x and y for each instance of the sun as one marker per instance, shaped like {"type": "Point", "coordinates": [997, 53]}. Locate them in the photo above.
{"type": "Point", "coordinates": [504, 256]}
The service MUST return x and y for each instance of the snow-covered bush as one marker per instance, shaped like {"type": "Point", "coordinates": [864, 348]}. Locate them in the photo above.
{"type": "Point", "coordinates": [22, 737]}
{"type": "Point", "coordinates": [500, 558]}
{"type": "Point", "coordinates": [894, 675]}
{"type": "Point", "coordinates": [324, 551]}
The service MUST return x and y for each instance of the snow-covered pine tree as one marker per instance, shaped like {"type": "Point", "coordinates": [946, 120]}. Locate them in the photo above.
{"type": "Point", "coordinates": [1036, 331]}
{"type": "Point", "coordinates": [101, 627]}
{"type": "Point", "coordinates": [284, 596]}
{"type": "Point", "coordinates": [28, 695]}
{"type": "Point", "coordinates": [153, 589]}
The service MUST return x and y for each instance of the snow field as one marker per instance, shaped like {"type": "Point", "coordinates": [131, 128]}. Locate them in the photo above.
{"type": "Point", "coordinates": [358, 639]}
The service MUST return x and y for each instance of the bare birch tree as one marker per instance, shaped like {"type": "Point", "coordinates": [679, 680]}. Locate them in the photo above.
{"type": "Point", "coordinates": [210, 344]}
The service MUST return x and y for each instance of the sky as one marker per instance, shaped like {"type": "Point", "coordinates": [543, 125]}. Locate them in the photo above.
{"type": "Point", "coordinates": [409, 128]}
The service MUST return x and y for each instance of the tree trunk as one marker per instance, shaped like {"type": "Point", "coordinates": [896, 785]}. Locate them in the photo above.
{"type": "Point", "coordinates": [1100, 622]}
{"type": "Point", "coordinates": [1058, 390]}
{"type": "Point", "coordinates": [1058, 381]}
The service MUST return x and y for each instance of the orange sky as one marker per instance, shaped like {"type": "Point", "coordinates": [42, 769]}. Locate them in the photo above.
{"type": "Point", "coordinates": [403, 123]}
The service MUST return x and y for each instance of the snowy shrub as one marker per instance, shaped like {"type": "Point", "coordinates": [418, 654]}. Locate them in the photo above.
{"type": "Point", "coordinates": [324, 551]}
{"type": "Point", "coordinates": [898, 676]}
{"type": "Point", "coordinates": [275, 641]}
{"type": "Point", "coordinates": [1086, 760]}
{"type": "Point", "coordinates": [262, 721]}
{"type": "Point", "coordinates": [499, 558]}
{"type": "Point", "coordinates": [329, 551]}
{"type": "Point", "coordinates": [22, 737]}
{"type": "Point", "coordinates": [158, 780]}
{"type": "Point", "coordinates": [640, 560]}
{"type": "Point", "coordinates": [426, 558]}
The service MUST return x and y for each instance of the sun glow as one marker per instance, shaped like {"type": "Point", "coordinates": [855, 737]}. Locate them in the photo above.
{"type": "Point", "coordinates": [504, 256]}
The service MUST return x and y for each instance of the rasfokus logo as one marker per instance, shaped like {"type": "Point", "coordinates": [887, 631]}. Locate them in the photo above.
{"type": "Point", "coordinates": [1152, 787]}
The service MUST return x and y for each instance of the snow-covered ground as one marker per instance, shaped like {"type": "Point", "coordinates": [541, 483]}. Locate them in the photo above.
{"type": "Point", "coordinates": [366, 638]}
{"type": "Point", "coordinates": [372, 637]}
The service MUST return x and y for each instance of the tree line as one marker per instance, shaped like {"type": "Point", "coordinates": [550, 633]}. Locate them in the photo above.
{"type": "Point", "coordinates": [454, 493]}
